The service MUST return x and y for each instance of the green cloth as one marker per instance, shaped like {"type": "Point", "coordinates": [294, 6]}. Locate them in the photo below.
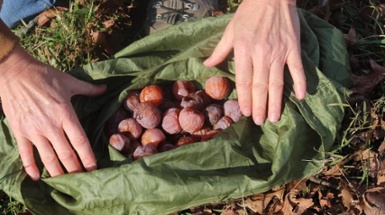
{"type": "Point", "coordinates": [242, 160]}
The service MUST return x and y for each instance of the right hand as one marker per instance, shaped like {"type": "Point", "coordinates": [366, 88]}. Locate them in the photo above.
{"type": "Point", "coordinates": [265, 36]}
{"type": "Point", "coordinates": [36, 103]}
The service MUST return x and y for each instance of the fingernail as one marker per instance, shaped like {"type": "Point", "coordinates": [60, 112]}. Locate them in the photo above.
{"type": "Point", "coordinates": [35, 176]}
{"type": "Point", "coordinates": [207, 61]}
{"type": "Point", "coordinates": [259, 120]}
{"type": "Point", "coordinates": [274, 118]}
{"type": "Point", "coordinates": [246, 112]}
{"type": "Point", "coordinates": [90, 168]}
{"type": "Point", "coordinates": [300, 94]}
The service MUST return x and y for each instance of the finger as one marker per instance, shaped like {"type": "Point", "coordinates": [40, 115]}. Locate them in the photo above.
{"type": "Point", "coordinates": [260, 88]}
{"type": "Point", "coordinates": [223, 48]}
{"type": "Point", "coordinates": [27, 158]}
{"type": "Point", "coordinates": [243, 80]}
{"type": "Point", "coordinates": [276, 83]}
{"type": "Point", "coordinates": [79, 141]}
{"type": "Point", "coordinates": [48, 156]}
{"type": "Point", "coordinates": [87, 89]}
{"type": "Point", "coordinates": [297, 72]}
{"type": "Point", "coordinates": [64, 151]}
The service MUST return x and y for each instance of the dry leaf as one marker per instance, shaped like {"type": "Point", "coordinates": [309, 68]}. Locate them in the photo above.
{"type": "Point", "coordinates": [346, 195]}
{"type": "Point", "coordinates": [373, 201]}
{"type": "Point", "coordinates": [370, 162]}
{"type": "Point", "coordinates": [267, 202]}
{"type": "Point", "coordinates": [381, 177]}
{"type": "Point", "coordinates": [364, 84]}
{"type": "Point", "coordinates": [254, 203]}
{"type": "Point", "coordinates": [293, 205]}
{"type": "Point", "coordinates": [350, 37]}
{"type": "Point", "coordinates": [108, 23]}
{"type": "Point", "coordinates": [47, 15]}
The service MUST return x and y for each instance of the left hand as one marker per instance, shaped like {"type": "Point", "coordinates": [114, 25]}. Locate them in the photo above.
{"type": "Point", "coordinates": [265, 35]}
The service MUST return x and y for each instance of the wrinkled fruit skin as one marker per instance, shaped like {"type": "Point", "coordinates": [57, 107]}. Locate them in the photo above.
{"type": "Point", "coordinates": [152, 94]}
{"type": "Point", "coordinates": [159, 118]}
{"type": "Point", "coordinates": [191, 120]}
{"type": "Point", "coordinates": [223, 123]}
{"type": "Point", "coordinates": [210, 134]}
{"type": "Point", "coordinates": [147, 115]}
{"type": "Point", "coordinates": [213, 113]}
{"type": "Point", "coordinates": [182, 89]}
{"type": "Point", "coordinates": [132, 99]}
{"type": "Point", "coordinates": [198, 100]}
{"type": "Point", "coordinates": [153, 136]}
{"type": "Point", "coordinates": [170, 122]}
{"type": "Point", "coordinates": [184, 140]}
{"type": "Point", "coordinates": [120, 142]}
{"type": "Point", "coordinates": [130, 127]}
{"type": "Point", "coordinates": [231, 108]}
{"type": "Point", "coordinates": [143, 151]}
{"type": "Point", "coordinates": [217, 87]}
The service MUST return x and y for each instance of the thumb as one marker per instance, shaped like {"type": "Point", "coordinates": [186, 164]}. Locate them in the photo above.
{"type": "Point", "coordinates": [88, 89]}
{"type": "Point", "coordinates": [223, 48]}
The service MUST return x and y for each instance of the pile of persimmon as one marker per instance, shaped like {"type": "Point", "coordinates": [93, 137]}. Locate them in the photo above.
{"type": "Point", "coordinates": [159, 118]}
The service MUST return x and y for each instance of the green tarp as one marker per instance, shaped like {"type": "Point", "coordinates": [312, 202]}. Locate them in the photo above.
{"type": "Point", "coordinates": [242, 160]}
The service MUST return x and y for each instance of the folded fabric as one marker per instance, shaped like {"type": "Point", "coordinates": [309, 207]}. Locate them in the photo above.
{"type": "Point", "coordinates": [241, 160]}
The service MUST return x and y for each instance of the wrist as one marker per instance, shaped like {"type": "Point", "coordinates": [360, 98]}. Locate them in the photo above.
{"type": "Point", "coordinates": [17, 61]}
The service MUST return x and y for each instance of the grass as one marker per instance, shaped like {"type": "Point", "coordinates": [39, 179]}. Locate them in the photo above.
{"type": "Point", "coordinates": [65, 43]}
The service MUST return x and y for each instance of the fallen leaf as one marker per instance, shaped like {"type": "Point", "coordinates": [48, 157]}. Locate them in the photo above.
{"type": "Point", "coordinates": [268, 202]}
{"type": "Point", "coordinates": [108, 23]}
{"type": "Point", "coordinates": [229, 212]}
{"type": "Point", "coordinates": [381, 177]}
{"type": "Point", "coordinates": [373, 201]}
{"type": "Point", "coordinates": [350, 37]}
{"type": "Point", "coordinates": [49, 14]}
{"type": "Point", "coordinates": [364, 84]}
{"type": "Point", "coordinates": [346, 195]}
{"type": "Point", "coordinates": [370, 162]}
{"type": "Point", "coordinates": [293, 205]}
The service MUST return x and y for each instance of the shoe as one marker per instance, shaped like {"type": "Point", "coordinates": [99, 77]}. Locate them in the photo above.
{"type": "Point", "coordinates": [164, 13]}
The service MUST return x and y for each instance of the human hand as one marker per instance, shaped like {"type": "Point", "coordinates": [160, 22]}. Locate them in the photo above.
{"type": "Point", "coordinates": [265, 36]}
{"type": "Point", "coordinates": [36, 102]}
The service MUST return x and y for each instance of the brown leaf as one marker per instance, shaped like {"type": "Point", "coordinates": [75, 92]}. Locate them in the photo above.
{"type": "Point", "coordinates": [371, 162]}
{"type": "Point", "coordinates": [381, 177]}
{"type": "Point", "coordinates": [229, 212]}
{"type": "Point", "coordinates": [373, 201]}
{"type": "Point", "coordinates": [101, 38]}
{"type": "Point", "coordinates": [47, 15]}
{"type": "Point", "coordinates": [346, 195]}
{"type": "Point", "coordinates": [254, 203]}
{"type": "Point", "coordinates": [381, 151]}
{"type": "Point", "coordinates": [268, 202]}
{"type": "Point", "coordinates": [293, 205]}
{"type": "Point", "coordinates": [217, 13]}
{"type": "Point", "coordinates": [364, 84]}
{"type": "Point", "coordinates": [108, 23]}
{"type": "Point", "coordinates": [350, 37]}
